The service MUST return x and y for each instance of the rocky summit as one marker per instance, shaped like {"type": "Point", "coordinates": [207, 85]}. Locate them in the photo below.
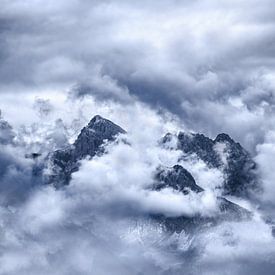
{"type": "Point", "coordinates": [222, 153]}
{"type": "Point", "coordinates": [177, 178]}
{"type": "Point", "coordinates": [88, 144]}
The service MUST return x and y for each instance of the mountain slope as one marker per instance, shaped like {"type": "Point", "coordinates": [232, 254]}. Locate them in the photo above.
{"type": "Point", "coordinates": [88, 144]}
{"type": "Point", "coordinates": [177, 178]}
{"type": "Point", "coordinates": [222, 153]}
{"type": "Point", "coordinates": [180, 180]}
{"type": "Point", "coordinates": [232, 160]}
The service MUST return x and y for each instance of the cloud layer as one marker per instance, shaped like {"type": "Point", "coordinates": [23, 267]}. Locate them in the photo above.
{"type": "Point", "coordinates": [99, 223]}
{"type": "Point", "coordinates": [209, 62]}
{"type": "Point", "coordinates": [151, 67]}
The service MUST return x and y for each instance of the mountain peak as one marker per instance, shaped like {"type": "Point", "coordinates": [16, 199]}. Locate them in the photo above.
{"type": "Point", "coordinates": [88, 143]}
{"type": "Point", "coordinates": [104, 126]}
{"type": "Point", "coordinates": [239, 170]}
{"type": "Point", "coordinates": [96, 119]}
{"type": "Point", "coordinates": [224, 138]}
{"type": "Point", "coordinates": [177, 178]}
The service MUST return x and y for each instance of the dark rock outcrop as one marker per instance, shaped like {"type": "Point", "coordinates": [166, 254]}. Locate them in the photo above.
{"type": "Point", "coordinates": [200, 145]}
{"type": "Point", "coordinates": [88, 144]}
{"type": "Point", "coordinates": [93, 135]}
{"type": "Point", "coordinates": [177, 178]}
{"type": "Point", "coordinates": [239, 169]}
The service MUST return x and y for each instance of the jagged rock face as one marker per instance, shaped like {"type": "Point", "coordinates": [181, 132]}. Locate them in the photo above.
{"type": "Point", "coordinates": [181, 180]}
{"type": "Point", "coordinates": [200, 145]}
{"type": "Point", "coordinates": [228, 212]}
{"type": "Point", "coordinates": [239, 167]}
{"type": "Point", "coordinates": [93, 135]}
{"type": "Point", "coordinates": [232, 211]}
{"type": "Point", "coordinates": [88, 143]}
{"type": "Point", "coordinates": [177, 178]}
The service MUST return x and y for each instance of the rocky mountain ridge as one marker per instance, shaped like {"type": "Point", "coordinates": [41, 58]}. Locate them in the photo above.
{"type": "Point", "coordinates": [238, 169]}
{"type": "Point", "coordinates": [223, 153]}
{"type": "Point", "coordinates": [88, 144]}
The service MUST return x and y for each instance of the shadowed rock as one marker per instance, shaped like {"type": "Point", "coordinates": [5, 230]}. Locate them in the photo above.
{"type": "Point", "coordinates": [93, 135]}
{"type": "Point", "coordinates": [238, 167]}
{"type": "Point", "coordinates": [200, 145]}
{"type": "Point", "coordinates": [88, 144]}
{"type": "Point", "coordinates": [177, 178]}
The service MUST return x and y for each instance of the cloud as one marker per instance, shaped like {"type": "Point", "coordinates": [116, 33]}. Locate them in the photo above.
{"type": "Point", "coordinates": [172, 55]}
{"type": "Point", "coordinates": [99, 223]}
{"type": "Point", "coordinates": [238, 248]}
{"type": "Point", "coordinates": [265, 159]}
{"type": "Point", "coordinates": [122, 179]}
{"type": "Point", "coordinates": [15, 175]}
{"type": "Point", "coordinates": [205, 66]}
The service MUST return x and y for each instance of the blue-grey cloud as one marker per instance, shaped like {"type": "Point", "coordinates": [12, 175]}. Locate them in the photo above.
{"type": "Point", "coordinates": [188, 58]}
{"type": "Point", "coordinates": [153, 66]}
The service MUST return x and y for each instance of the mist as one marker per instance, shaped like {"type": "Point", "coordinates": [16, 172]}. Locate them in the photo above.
{"type": "Point", "coordinates": [152, 68]}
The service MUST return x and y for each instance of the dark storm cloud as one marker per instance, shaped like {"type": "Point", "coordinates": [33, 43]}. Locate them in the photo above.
{"type": "Point", "coordinates": [190, 58]}
{"type": "Point", "coordinates": [133, 42]}
{"type": "Point", "coordinates": [210, 63]}
{"type": "Point", "coordinates": [95, 226]}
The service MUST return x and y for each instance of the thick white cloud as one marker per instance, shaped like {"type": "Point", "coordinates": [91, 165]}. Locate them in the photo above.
{"type": "Point", "coordinates": [98, 223]}
{"type": "Point", "coordinates": [124, 176]}
{"type": "Point", "coordinates": [205, 66]}
{"type": "Point", "coordinates": [205, 61]}
{"type": "Point", "coordinates": [265, 159]}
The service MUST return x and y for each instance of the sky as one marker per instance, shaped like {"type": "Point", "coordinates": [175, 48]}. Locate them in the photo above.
{"type": "Point", "coordinates": [152, 67]}
{"type": "Point", "coordinates": [211, 63]}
